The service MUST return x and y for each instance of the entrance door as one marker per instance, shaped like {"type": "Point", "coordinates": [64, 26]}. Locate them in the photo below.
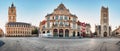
{"type": "Point", "coordinates": [61, 33]}
{"type": "Point", "coordinates": [105, 34]}
{"type": "Point", "coordinates": [66, 33]}
{"type": "Point", "coordinates": [78, 34]}
{"type": "Point", "coordinates": [74, 34]}
{"type": "Point", "coordinates": [55, 32]}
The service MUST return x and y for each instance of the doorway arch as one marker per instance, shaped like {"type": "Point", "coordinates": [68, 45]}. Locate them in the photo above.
{"type": "Point", "coordinates": [105, 34]}
{"type": "Point", "coordinates": [78, 34]}
{"type": "Point", "coordinates": [74, 34]}
{"type": "Point", "coordinates": [55, 32]}
{"type": "Point", "coordinates": [66, 33]}
{"type": "Point", "coordinates": [60, 32]}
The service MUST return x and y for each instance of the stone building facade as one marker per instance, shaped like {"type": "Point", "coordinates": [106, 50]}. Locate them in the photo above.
{"type": "Point", "coordinates": [14, 28]}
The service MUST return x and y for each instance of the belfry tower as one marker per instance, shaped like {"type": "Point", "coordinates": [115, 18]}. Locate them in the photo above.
{"type": "Point", "coordinates": [12, 13]}
{"type": "Point", "coordinates": [104, 22]}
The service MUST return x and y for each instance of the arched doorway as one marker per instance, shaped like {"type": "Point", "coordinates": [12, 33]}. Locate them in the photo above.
{"type": "Point", "coordinates": [43, 32]}
{"type": "Point", "coordinates": [78, 34]}
{"type": "Point", "coordinates": [66, 33]}
{"type": "Point", "coordinates": [61, 33]}
{"type": "Point", "coordinates": [55, 32]}
{"type": "Point", "coordinates": [74, 34]}
{"type": "Point", "coordinates": [105, 34]}
{"type": "Point", "coordinates": [48, 31]}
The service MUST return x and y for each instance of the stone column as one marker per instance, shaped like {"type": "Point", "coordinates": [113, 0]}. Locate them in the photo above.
{"type": "Point", "coordinates": [63, 32]}
{"type": "Point", "coordinates": [58, 32]}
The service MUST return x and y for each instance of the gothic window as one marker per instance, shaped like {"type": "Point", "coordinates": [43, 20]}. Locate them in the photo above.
{"type": "Point", "coordinates": [105, 19]}
{"type": "Point", "coordinates": [105, 28]}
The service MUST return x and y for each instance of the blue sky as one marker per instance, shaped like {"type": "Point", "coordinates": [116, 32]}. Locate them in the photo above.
{"type": "Point", "coordinates": [34, 11]}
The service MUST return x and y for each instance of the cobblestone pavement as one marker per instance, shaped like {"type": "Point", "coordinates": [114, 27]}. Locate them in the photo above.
{"type": "Point", "coordinates": [45, 44]}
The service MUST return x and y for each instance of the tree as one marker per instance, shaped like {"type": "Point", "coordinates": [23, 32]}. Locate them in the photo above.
{"type": "Point", "coordinates": [35, 31]}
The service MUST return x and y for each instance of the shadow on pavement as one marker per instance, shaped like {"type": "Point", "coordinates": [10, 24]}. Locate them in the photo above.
{"type": "Point", "coordinates": [1, 43]}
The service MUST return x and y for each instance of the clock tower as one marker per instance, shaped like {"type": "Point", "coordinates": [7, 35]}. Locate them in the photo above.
{"type": "Point", "coordinates": [12, 13]}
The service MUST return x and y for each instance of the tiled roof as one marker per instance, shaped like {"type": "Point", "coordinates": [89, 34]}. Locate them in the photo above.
{"type": "Point", "coordinates": [17, 23]}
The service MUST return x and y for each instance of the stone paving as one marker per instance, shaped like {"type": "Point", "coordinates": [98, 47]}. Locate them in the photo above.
{"type": "Point", "coordinates": [45, 44]}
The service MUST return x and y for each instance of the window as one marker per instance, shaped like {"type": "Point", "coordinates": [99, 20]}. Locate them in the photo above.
{"type": "Point", "coordinates": [74, 26]}
{"type": "Point", "coordinates": [105, 28]}
{"type": "Point", "coordinates": [43, 26]}
{"type": "Point", "coordinates": [48, 24]}
{"type": "Point", "coordinates": [56, 17]}
{"type": "Point", "coordinates": [61, 23]}
{"type": "Point", "coordinates": [105, 19]}
{"type": "Point", "coordinates": [66, 24]}
{"type": "Point", "coordinates": [56, 23]}
{"type": "Point", "coordinates": [48, 18]}
{"type": "Point", "coordinates": [61, 17]}
{"type": "Point", "coordinates": [74, 19]}
{"type": "Point", "coordinates": [66, 18]}
{"type": "Point", "coordinates": [78, 27]}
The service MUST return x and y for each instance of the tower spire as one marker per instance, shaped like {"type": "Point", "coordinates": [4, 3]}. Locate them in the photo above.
{"type": "Point", "coordinates": [12, 4]}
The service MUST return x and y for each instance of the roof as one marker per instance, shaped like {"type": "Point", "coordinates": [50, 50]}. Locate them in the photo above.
{"type": "Point", "coordinates": [43, 22]}
{"type": "Point", "coordinates": [17, 23]}
{"type": "Point", "coordinates": [61, 7]}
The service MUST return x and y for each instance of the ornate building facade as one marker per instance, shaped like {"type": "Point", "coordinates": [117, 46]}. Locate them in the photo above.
{"type": "Point", "coordinates": [14, 28]}
{"type": "Point", "coordinates": [61, 23]}
{"type": "Point", "coordinates": [104, 30]}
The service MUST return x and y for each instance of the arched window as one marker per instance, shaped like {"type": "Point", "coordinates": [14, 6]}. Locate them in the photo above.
{"type": "Point", "coordinates": [105, 28]}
